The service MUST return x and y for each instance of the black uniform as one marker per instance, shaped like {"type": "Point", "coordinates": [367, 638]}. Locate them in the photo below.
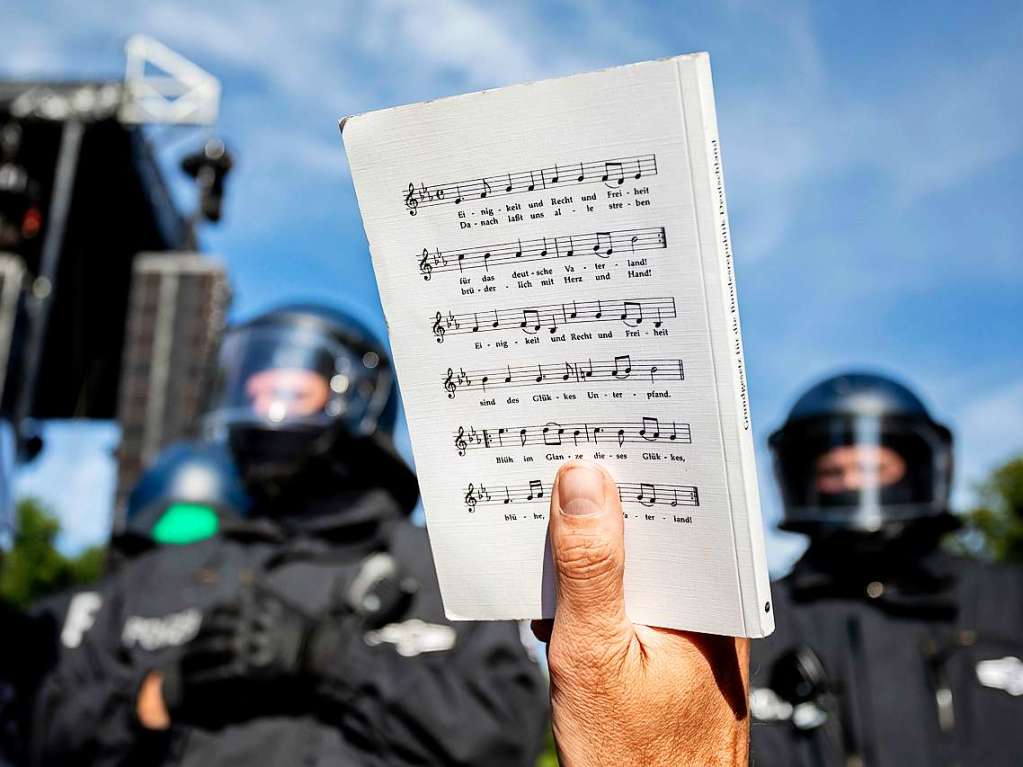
{"type": "Point", "coordinates": [922, 665]}
{"type": "Point", "coordinates": [887, 651]}
{"type": "Point", "coordinates": [418, 691]}
{"type": "Point", "coordinates": [27, 652]}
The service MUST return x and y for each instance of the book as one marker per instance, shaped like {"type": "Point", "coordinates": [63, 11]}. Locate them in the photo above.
{"type": "Point", "coordinates": [556, 271]}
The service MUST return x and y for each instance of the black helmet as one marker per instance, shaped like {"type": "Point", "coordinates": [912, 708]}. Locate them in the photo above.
{"type": "Point", "coordinates": [860, 453]}
{"type": "Point", "coordinates": [185, 494]}
{"type": "Point", "coordinates": [298, 385]}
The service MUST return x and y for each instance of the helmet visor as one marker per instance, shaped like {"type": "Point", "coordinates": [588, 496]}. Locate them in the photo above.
{"type": "Point", "coordinates": [862, 471]}
{"type": "Point", "coordinates": [286, 377]}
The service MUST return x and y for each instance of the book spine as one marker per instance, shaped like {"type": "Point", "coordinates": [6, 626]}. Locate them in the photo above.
{"type": "Point", "coordinates": [736, 372]}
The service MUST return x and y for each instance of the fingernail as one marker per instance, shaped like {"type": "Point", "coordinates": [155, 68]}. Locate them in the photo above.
{"type": "Point", "coordinates": [581, 491]}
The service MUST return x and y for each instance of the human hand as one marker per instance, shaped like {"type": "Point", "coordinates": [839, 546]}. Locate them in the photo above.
{"type": "Point", "coordinates": [624, 694]}
{"type": "Point", "coordinates": [224, 672]}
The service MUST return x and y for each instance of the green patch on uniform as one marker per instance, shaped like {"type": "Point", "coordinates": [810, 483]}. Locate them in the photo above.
{"type": "Point", "coordinates": [186, 523]}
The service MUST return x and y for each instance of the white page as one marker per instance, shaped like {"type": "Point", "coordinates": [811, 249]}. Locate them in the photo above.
{"type": "Point", "coordinates": [569, 231]}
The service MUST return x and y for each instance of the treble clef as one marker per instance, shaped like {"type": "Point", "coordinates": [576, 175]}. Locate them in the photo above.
{"type": "Point", "coordinates": [470, 498]}
{"type": "Point", "coordinates": [410, 199]}
{"type": "Point", "coordinates": [460, 442]}
{"type": "Point", "coordinates": [449, 384]}
{"type": "Point", "coordinates": [425, 266]}
{"type": "Point", "coordinates": [438, 327]}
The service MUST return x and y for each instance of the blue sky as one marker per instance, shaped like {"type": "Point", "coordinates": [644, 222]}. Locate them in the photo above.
{"type": "Point", "coordinates": [873, 156]}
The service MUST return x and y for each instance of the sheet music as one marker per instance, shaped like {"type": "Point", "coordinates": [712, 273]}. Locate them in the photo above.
{"type": "Point", "coordinates": [550, 295]}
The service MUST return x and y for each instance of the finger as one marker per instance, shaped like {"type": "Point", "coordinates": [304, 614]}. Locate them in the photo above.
{"type": "Point", "coordinates": [587, 543]}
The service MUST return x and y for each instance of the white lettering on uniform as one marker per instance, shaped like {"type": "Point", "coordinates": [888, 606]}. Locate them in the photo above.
{"type": "Point", "coordinates": [164, 631]}
{"type": "Point", "coordinates": [1002, 674]}
{"type": "Point", "coordinates": [413, 637]}
{"type": "Point", "coordinates": [81, 616]}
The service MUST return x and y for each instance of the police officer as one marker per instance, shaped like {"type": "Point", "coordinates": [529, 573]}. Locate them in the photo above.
{"type": "Point", "coordinates": [312, 633]}
{"type": "Point", "coordinates": [888, 651]}
{"type": "Point", "coordinates": [189, 493]}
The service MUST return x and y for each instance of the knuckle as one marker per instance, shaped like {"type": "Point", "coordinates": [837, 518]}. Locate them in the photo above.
{"type": "Point", "coordinates": [587, 558]}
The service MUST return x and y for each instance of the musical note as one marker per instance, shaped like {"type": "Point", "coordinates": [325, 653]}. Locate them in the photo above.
{"type": "Point", "coordinates": [611, 172]}
{"type": "Point", "coordinates": [651, 427]}
{"type": "Point", "coordinates": [621, 359]}
{"type": "Point", "coordinates": [645, 493]}
{"type": "Point", "coordinates": [460, 443]}
{"type": "Point", "coordinates": [556, 439]}
{"type": "Point", "coordinates": [591, 371]}
{"type": "Point", "coordinates": [530, 321]}
{"type": "Point", "coordinates": [639, 170]}
{"type": "Point", "coordinates": [608, 241]}
{"type": "Point", "coordinates": [621, 437]}
{"type": "Point", "coordinates": [632, 313]}
{"type": "Point", "coordinates": [609, 166]}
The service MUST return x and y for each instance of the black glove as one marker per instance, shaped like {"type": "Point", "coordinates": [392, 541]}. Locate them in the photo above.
{"type": "Point", "coordinates": [247, 657]}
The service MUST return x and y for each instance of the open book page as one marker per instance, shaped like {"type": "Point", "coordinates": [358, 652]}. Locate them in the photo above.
{"type": "Point", "coordinates": [550, 295]}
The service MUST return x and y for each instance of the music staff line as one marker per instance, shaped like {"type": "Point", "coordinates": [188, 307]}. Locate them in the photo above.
{"type": "Point", "coordinates": [620, 368]}
{"type": "Point", "coordinates": [644, 493]}
{"type": "Point", "coordinates": [601, 244]}
{"type": "Point", "coordinates": [611, 172]}
{"type": "Point", "coordinates": [553, 434]}
{"type": "Point", "coordinates": [530, 320]}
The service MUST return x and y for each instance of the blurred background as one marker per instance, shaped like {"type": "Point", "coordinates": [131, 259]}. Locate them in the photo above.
{"type": "Point", "coordinates": [151, 187]}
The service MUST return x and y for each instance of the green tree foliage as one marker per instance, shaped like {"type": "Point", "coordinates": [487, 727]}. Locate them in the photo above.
{"type": "Point", "coordinates": [549, 757]}
{"type": "Point", "coordinates": [34, 567]}
{"type": "Point", "coordinates": [995, 526]}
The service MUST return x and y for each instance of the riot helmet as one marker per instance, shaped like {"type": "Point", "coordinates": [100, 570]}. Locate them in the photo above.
{"type": "Point", "coordinates": [302, 389]}
{"type": "Point", "coordinates": [860, 453]}
{"type": "Point", "coordinates": [186, 495]}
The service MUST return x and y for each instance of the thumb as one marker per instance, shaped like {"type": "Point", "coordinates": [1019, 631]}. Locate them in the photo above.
{"type": "Point", "coordinates": [587, 544]}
